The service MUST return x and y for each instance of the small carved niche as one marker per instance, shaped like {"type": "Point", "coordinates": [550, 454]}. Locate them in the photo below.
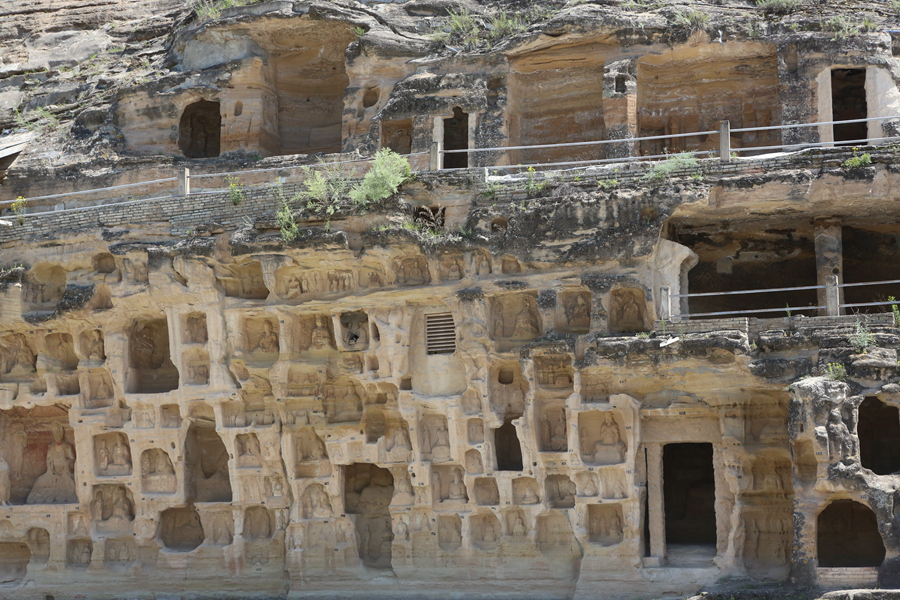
{"type": "Point", "coordinates": [509, 265]}
{"type": "Point", "coordinates": [486, 492]}
{"type": "Point", "coordinates": [112, 455]}
{"type": "Point", "coordinates": [171, 416]}
{"type": "Point", "coordinates": [612, 483]}
{"type": "Point", "coordinates": [316, 502]}
{"type": "Point", "coordinates": [78, 524]}
{"type": "Point", "coordinates": [449, 532]}
{"type": "Point", "coordinates": [602, 438]}
{"type": "Point", "coordinates": [628, 310]}
{"type": "Point", "coordinates": [481, 263]}
{"type": "Point", "coordinates": [554, 372]}
{"type": "Point", "coordinates": [78, 553]}
{"type": "Point", "coordinates": [38, 540]}
{"type": "Point", "coordinates": [554, 533]}
{"type": "Point", "coordinates": [434, 438]}
{"type": "Point", "coordinates": [262, 338]}
{"type": "Point", "coordinates": [44, 287]}
{"type": "Point", "coordinates": [180, 528]}
{"type": "Point", "coordinates": [17, 357]}
{"type": "Point", "coordinates": [397, 135]}
{"type": "Point", "coordinates": [484, 529]}
{"type": "Point", "coordinates": [605, 524]}
{"type": "Point", "coordinates": [560, 491]}
{"type": "Point", "coordinates": [92, 345]}
{"type": "Point", "coordinates": [595, 387]}
{"type": "Point", "coordinates": [313, 335]}
{"type": "Point", "coordinates": [355, 330]}
{"type": "Point", "coordinates": [119, 553]}
{"type": "Point", "coordinates": [371, 277]}
{"type": "Point", "coordinates": [771, 473]}
{"type": "Point", "coordinates": [343, 401]}
{"type": "Point", "coordinates": [586, 483]}
{"type": "Point", "coordinates": [507, 390]}
{"type": "Point", "coordinates": [206, 464]}
{"type": "Point", "coordinates": [157, 472]}
{"type": "Point", "coordinates": [516, 523]}
{"type": "Point", "coordinates": [474, 462]}
{"type": "Point", "coordinates": [104, 263]}
{"type": "Point", "coordinates": [59, 350]}
{"type": "Point", "coordinates": [101, 392]}
{"type": "Point", "coordinates": [196, 366]}
{"type": "Point", "coordinates": [152, 371]}
{"type": "Point", "coordinates": [471, 402]}
{"type": "Point", "coordinates": [219, 527]}
{"type": "Point", "coordinates": [40, 455]}
{"type": "Point", "coordinates": [451, 267]}
{"type": "Point", "coordinates": [375, 425]}
{"type": "Point", "coordinates": [573, 313]}
{"type": "Point", "coordinates": [112, 507]}
{"type": "Point", "coordinates": [14, 561]}
{"type": "Point", "coordinates": [526, 491]}
{"type": "Point", "coordinates": [68, 384]}
{"type": "Point", "coordinates": [244, 281]}
{"type": "Point", "coordinates": [258, 523]}
{"type": "Point", "coordinates": [303, 382]}
{"type": "Point", "coordinates": [411, 270]}
{"type": "Point", "coordinates": [515, 317]}
{"type": "Point", "coordinates": [552, 425]}
{"type": "Point", "coordinates": [248, 451]}
{"type": "Point", "coordinates": [310, 454]}
{"type": "Point", "coordinates": [475, 431]}
{"type": "Point", "coordinates": [448, 485]}
{"type": "Point", "coordinates": [195, 331]}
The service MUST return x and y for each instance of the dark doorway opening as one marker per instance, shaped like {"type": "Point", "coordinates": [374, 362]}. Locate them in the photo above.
{"type": "Point", "coordinates": [848, 101]}
{"type": "Point", "coordinates": [509, 451]}
{"type": "Point", "coordinates": [689, 492]}
{"type": "Point", "coordinates": [848, 536]}
{"type": "Point", "coordinates": [200, 130]}
{"type": "Point", "coordinates": [456, 137]}
{"type": "Point", "coordinates": [879, 436]}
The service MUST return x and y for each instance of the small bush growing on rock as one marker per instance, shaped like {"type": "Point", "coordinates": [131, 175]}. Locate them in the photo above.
{"type": "Point", "coordinates": [235, 189]}
{"type": "Point", "coordinates": [778, 7]}
{"type": "Point", "coordinates": [389, 171]}
{"type": "Point", "coordinates": [690, 19]}
{"type": "Point", "coordinates": [19, 206]}
{"type": "Point", "coordinates": [675, 162]}
{"type": "Point", "coordinates": [862, 338]}
{"type": "Point", "coordinates": [857, 160]}
{"type": "Point", "coordinates": [842, 27]}
{"type": "Point", "coordinates": [836, 372]}
{"type": "Point", "coordinates": [325, 188]}
{"type": "Point", "coordinates": [895, 310]}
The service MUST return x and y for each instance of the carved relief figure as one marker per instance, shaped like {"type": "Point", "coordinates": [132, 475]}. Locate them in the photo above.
{"type": "Point", "coordinates": [457, 490]}
{"type": "Point", "coordinates": [248, 451]}
{"type": "Point", "coordinates": [268, 341]}
{"type": "Point", "coordinates": [196, 330]}
{"type": "Point", "coordinates": [578, 311]}
{"type": "Point", "coordinates": [321, 338]}
{"type": "Point", "coordinates": [57, 484]}
{"type": "Point", "coordinates": [627, 310]}
{"type": "Point", "coordinates": [16, 356]}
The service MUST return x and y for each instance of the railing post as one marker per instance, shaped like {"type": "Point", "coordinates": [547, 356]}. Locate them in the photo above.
{"type": "Point", "coordinates": [832, 296]}
{"type": "Point", "coordinates": [436, 162]}
{"type": "Point", "coordinates": [665, 303]}
{"type": "Point", "coordinates": [725, 141]}
{"type": "Point", "coordinates": [184, 182]}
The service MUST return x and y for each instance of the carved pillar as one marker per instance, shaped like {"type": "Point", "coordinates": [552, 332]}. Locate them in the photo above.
{"type": "Point", "coordinates": [829, 258]}
{"type": "Point", "coordinates": [620, 107]}
{"type": "Point", "coordinates": [656, 514]}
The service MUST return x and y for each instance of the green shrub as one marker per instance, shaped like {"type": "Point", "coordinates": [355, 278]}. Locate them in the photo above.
{"type": "Point", "coordinates": [212, 9]}
{"type": "Point", "coordinates": [675, 162]}
{"type": "Point", "coordinates": [841, 27]}
{"type": "Point", "coordinates": [285, 216]}
{"type": "Point", "coordinates": [778, 7]}
{"type": "Point", "coordinates": [19, 206]}
{"type": "Point", "coordinates": [326, 186]}
{"type": "Point", "coordinates": [862, 338]}
{"type": "Point", "coordinates": [836, 372]}
{"type": "Point", "coordinates": [857, 160]}
{"type": "Point", "coordinates": [235, 189]}
{"type": "Point", "coordinates": [690, 19]}
{"type": "Point", "coordinates": [389, 171]}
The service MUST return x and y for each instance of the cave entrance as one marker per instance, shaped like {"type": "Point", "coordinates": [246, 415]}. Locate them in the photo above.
{"type": "Point", "coordinates": [509, 451]}
{"type": "Point", "coordinates": [848, 536]}
{"type": "Point", "coordinates": [199, 133]}
{"type": "Point", "coordinates": [879, 436]}
{"type": "Point", "coordinates": [456, 137]}
{"type": "Point", "coordinates": [848, 101]}
{"type": "Point", "coordinates": [367, 493]}
{"type": "Point", "coordinates": [689, 492]}
{"type": "Point", "coordinates": [871, 254]}
{"type": "Point", "coordinates": [206, 464]}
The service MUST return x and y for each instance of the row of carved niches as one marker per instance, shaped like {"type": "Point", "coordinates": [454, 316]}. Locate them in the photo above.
{"type": "Point", "coordinates": [368, 492]}
{"type": "Point", "coordinates": [38, 455]}
{"type": "Point", "coordinates": [150, 365]}
{"type": "Point", "coordinates": [310, 336]}
{"type": "Point", "coordinates": [58, 353]}
{"type": "Point", "coordinates": [147, 416]}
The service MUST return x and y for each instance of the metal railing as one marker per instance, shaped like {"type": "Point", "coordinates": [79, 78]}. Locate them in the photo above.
{"type": "Point", "coordinates": [834, 306]}
{"type": "Point", "coordinates": [437, 153]}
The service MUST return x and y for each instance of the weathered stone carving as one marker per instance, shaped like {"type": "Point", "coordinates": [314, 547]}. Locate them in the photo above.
{"type": "Point", "coordinates": [57, 484]}
{"type": "Point", "coordinates": [157, 472]}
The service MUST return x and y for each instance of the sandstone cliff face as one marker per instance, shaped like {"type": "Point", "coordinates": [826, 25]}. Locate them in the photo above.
{"type": "Point", "coordinates": [488, 384]}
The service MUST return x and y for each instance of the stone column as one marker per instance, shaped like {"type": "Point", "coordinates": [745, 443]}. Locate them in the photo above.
{"type": "Point", "coordinates": [656, 514]}
{"type": "Point", "coordinates": [829, 257]}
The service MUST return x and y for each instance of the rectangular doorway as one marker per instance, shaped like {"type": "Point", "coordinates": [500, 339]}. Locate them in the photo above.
{"type": "Point", "coordinates": [848, 101]}
{"type": "Point", "coordinates": [689, 498]}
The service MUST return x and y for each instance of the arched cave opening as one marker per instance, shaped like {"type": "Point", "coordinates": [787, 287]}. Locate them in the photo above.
{"type": "Point", "coordinates": [879, 436]}
{"type": "Point", "coordinates": [199, 132]}
{"type": "Point", "coordinates": [847, 536]}
{"type": "Point", "coordinates": [509, 450]}
{"type": "Point", "coordinates": [456, 137]}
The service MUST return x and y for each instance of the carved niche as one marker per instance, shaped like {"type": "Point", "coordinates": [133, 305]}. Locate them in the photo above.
{"type": "Point", "coordinates": [355, 330]}
{"type": "Point", "coordinates": [195, 331]}
{"type": "Point", "coordinates": [628, 311]}
{"type": "Point", "coordinates": [516, 317]}
{"type": "Point", "coordinates": [112, 455]}
{"type": "Point", "coordinates": [434, 438]}
{"type": "Point", "coordinates": [59, 352]}
{"type": "Point", "coordinates": [262, 338]}
{"type": "Point", "coordinates": [112, 508]}
{"type": "Point", "coordinates": [310, 454]}
{"type": "Point", "coordinates": [157, 472]}
{"type": "Point", "coordinates": [92, 345]}
{"type": "Point", "coordinates": [605, 524]}
{"type": "Point", "coordinates": [17, 357]}
{"type": "Point", "coordinates": [574, 312]}
{"type": "Point", "coordinates": [411, 270]}
{"type": "Point", "coordinates": [602, 438]}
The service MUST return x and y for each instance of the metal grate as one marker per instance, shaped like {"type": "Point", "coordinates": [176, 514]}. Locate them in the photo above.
{"type": "Point", "coordinates": [440, 333]}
